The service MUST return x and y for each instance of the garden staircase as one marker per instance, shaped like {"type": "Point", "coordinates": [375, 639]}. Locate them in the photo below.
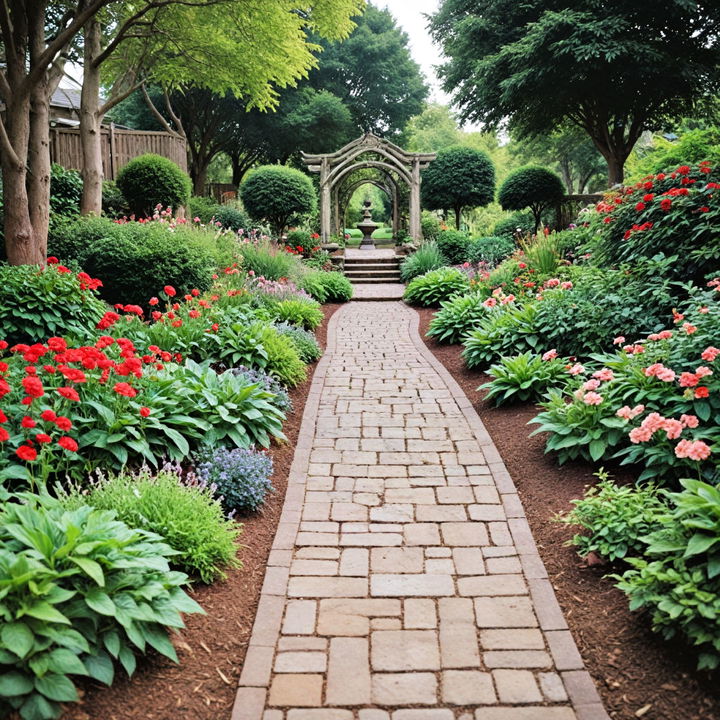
{"type": "Point", "coordinates": [372, 269]}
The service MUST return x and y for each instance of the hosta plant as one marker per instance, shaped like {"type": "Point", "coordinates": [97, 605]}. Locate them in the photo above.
{"type": "Point", "coordinates": [431, 289]}
{"type": "Point", "coordinates": [525, 377]}
{"type": "Point", "coordinates": [457, 317]}
{"type": "Point", "coordinates": [426, 258]}
{"type": "Point", "coordinates": [81, 593]}
{"type": "Point", "coordinates": [678, 580]}
{"type": "Point", "coordinates": [303, 313]}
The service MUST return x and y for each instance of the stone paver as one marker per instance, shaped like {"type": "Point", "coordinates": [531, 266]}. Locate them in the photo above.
{"type": "Point", "coordinates": [404, 583]}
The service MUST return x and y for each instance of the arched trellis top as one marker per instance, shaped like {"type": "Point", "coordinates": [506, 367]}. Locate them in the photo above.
{"type": "Point", "coordinates": [334, 167]}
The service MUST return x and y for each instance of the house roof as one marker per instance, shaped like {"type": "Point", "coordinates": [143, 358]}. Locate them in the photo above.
{"type": "Point", "coordinates": [66, 98]}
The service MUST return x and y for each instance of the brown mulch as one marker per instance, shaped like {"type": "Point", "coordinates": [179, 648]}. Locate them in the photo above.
{"type": "Point", "coordinates": [212, 648]}
{"type": "Point", "coordinates": [637, 673]}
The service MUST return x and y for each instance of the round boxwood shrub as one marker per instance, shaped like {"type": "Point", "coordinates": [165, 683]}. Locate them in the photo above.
{"type": "Point", "coordinates": [278, 195]}
{"type": "Point", "coordinates": [232, 218]}
{"type": "Point", "coordinates": [134, 270]}
{"type": "Point", "coordinates": [151, 180]}
{"type": "Point", "coordinates": [533, 187]}
{"type": "Point", "coordinates": [519, 223]}
{"type": "Point", "coordinates": [453, 245]}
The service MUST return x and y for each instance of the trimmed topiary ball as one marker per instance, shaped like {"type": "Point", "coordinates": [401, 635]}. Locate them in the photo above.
{"type": "Point", "coordinates": [278, 195]}
{"type": "Point", "coordinates": [151, 180]}
{"type": "Point", "coordinates": [533, 187]}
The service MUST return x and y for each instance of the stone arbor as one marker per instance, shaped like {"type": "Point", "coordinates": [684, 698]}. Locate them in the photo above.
{"type": "Point", "coordinates": [393, 165]}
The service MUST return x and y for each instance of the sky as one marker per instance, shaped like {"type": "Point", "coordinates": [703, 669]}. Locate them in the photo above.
{"type": "Point", "coordinates": [410, 16]}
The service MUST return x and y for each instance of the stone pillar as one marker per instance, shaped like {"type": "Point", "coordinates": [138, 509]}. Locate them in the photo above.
{"type": "Point", "coordinates": [395, 211]}
{"type": "Point", "coordinates": [325, 209]}
{"type": "Point", "coordinates": [415, 226]}
{"type": "Point", "coordinates": [336, 212]}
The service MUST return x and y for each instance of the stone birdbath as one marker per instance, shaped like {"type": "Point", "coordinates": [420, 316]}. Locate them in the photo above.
{"type": "Point", "coordinates": [367, 226]}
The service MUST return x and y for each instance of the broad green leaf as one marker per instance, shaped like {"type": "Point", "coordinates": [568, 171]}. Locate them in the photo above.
{"type": "Point", "coordinates": [18, 637]}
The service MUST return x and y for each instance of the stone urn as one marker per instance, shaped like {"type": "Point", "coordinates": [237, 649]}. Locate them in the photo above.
{"type": "Point", "coordinates": [367, 227]}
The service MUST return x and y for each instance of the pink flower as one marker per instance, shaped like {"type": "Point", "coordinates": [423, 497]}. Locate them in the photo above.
{"type": "Point", "coordinates": [709, 354]}
{"type": "Point", "coordinates": [552, 282]}
{"type": "Point", "coordinates": [665, 334]}
{"type": "Point", "coordinates": [703, 371]}
{"type": "Point", "coordinates": [639, 435]}
{"type": "Point", "coordinates": [550, 355]}
{"type": "Point", "coordinates": [695, 450]}
{"type": "Point", "coordinates": [688, 380]}
{"type": "Point", "coordinates": [576, 369]}
{"type": "Point", "coordinates": [629, 413]}
{"type": "Point", "coordinates": [606, 374]}
{"type": "Point", "coordinates": [666, 375]}
{"type": "Point", "coordinates": [689, 421]}
{"type": "Point", "coordinates": [673, 428]}
{"type": "Point", "coordinates": [508, 299]}
{"type": "Point", "coordinates": [689, 329]}
{"type": "Point", "coordinates": [704, 310]}
{"type": "Point", "coordinates": [592, 398]}
{"type": "Point", "coordinates": [567, 285]}
{"type": "Point", "coordinates": [490, 302]}
{"type": "Point", "coordinates": [619, 340]}
{"type": "Point", "coordinates": [591, 385]}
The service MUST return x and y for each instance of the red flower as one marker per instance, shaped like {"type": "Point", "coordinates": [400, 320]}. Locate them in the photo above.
{"type": "Point", "coordinates": [153, 301]}
{"type": "Point", "coordinates": [170, 291]}
{"type": "Point", "coordinates": [26, 453]}
{"type": "Point", "coordinates": [43, 438]}
{"type": "Point", "coordinates": [52, 260]}
{"type": "Point", "coordinates": [62, 269]}
{"type": "Point", "coordinates": [156, 315]}
{"type": "Point", "coordinates": [195, 292]}
{"type": "Point", "coordinates": [57, 344]}
{"type": "Point", "coordinates": [68, 393]}
{"type": "Point", "coordinates": [666, 203]}
{"type": "Point", "coordinates": [704, 209]}
{"type": "Point", "coordinates": [33, 386]}
{"type": "Point", "coordinates": [3, 417]}
{"type": "Point", "coordinates": [28, 422]}
{"type": "Point", "coordinates": [123, 388]}
{"type": "Point", "coordinates": [4, 435]}
{"type": "Point", "coordinates": [68, 443]}
{"type": "Point", "coordinates": [63, 423]}
{"type": "Point", "coordinates": [108, 320]}
{"type": "Point", "coordinates": [640, 207]}
{"type": "Point", "coordinates": [145, 412]}
{"type": "Point", "coordinates": [48, 415]}
{"type": "Point", "coordinates": [702, 392]}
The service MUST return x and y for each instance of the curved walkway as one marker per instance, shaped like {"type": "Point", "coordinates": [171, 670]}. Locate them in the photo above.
{"type": "Point", "coordinates": [404, 583]}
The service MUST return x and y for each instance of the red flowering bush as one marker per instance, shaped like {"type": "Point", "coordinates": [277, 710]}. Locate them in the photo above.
{"type": "Point", "coordinates": [37, 303]}
{"type": "Point", "coordinates": [654, 403]}
{"type": "Point", "coordinates": [301, 242]}
{"type": "Point", "coordinates": [676, 213]}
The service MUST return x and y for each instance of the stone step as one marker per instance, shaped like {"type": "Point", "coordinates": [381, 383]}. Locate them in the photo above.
{"type": "Point", "coordinates": [372, 273]}
{"type": "Point", "coordinates": [373, 267]}
{"type": "Point", "coordinates": [364, 280]}
{"type": "Point", "coordinates": [374, 260]}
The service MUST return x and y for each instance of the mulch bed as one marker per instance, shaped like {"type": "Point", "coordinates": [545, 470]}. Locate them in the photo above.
{"type": "Point", "coordinates": [637, 673]}
{"type": "Point", "coordinates": [212, 647]}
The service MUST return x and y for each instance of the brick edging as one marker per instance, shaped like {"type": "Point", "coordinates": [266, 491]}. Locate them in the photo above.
{"type": "Point", "coordinates": [577, 680]}
{"type": "Point", "coordinates": [257, 669]}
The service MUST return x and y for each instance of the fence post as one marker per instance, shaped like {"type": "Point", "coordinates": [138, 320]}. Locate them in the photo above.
{"type": "Point", "coordinates": [112, 151]}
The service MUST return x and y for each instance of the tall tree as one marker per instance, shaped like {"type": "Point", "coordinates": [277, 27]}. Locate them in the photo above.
{"type": "Point", "coordinates": [37, 37]}
{"type": "Point", "coordinates": [613, 69]}
{"type": "Point", "coordinates": [373, 73]}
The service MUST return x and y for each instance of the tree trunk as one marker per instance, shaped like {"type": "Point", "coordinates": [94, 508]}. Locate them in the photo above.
{"type": "Point", "coordinates": [616, 168]}
{"type": "Point", "coordinates": [38, 177]}
{"type": "Point", "coordinates": [19, 237]}
{"type": "Point", "coordinates": [90, 133]}
{"type": "Point", "coordinates": [458, 216]}
{"type": "Point", "coordinates": [199, 175]}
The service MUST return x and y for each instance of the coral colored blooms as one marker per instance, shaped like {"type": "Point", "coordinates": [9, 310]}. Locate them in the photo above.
{"type": "Point", "coordinates": [693, 450]}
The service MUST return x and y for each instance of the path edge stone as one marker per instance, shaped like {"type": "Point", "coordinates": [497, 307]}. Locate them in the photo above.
{"type": "Point", "coordinates": [582, 691]}
{"type": "Point", "coordinates": [253, 684]}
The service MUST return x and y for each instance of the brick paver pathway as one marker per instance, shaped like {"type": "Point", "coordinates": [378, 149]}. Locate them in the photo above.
{"type": "Point", "coordinates": [404, 583]}
{"type": "Point", "coordinates": [378, 291]}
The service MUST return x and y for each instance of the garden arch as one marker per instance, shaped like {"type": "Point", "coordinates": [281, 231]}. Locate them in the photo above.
{"type": "Point", "coordinates": [368, 152]}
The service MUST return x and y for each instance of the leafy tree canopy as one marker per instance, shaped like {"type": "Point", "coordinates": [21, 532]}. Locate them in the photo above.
{"type": "Point", "coordinates": [614, 69]}
{"type": "Point", "coordinates": [459, 178]}
{"type": "Point", "coordinates": [531, 187]}
{"type": "Point", "coordinates": [373, 73]}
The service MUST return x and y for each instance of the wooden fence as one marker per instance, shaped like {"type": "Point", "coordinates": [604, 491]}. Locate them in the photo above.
{"type": "Point", "coordinates": [118, 148]}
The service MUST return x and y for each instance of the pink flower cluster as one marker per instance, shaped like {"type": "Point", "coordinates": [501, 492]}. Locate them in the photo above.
{"type": "Point", "coordinates": [695, 450]}
{"type": "Point", "coordinates": [661, 372]}
{"type": "Point", "coordinates": [629, 413]}
{"type": "Point", "coordinates": [550, 355]}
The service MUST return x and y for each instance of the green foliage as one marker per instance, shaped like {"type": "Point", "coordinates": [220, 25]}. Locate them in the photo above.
{"type": "Point", "coordinates": [188, 517]}
{"type": "Point", "coordinates": [201, 207]}
{"type": "Point", "coordinates": [135, 265]}
{"type": "Point", "coordinates": [663, 216]}
{"type": "Point", "coordinates": [431, 289]}
{"type": "Point", "coordinates": [304, 342]}
{"type": "Point", "coordinates": [278, 195]}
{"type": "Point", "coordinates": [506, 330]}
{"type": "Point", "coordinates": [457, 317]}
{"type": "Point", "coordinates": [533, 187]}
{"type": "Point", "coordinates": [267, 260]}
{"type": "Point", "coordinates": [232, 218]}
{"type": "Point", "coordinates": [615, 519]}
{"type": "Point", "coordinates": [518, 224]}
{"type": "Point", "coordinates": [691, 148]}
{"type": "Point", "coordinates": [427, 257]}
{"type": "Point", "coordinates": [523, 378]}
{"type": "Point", "coordinates": [81, 591]}
{"type": "Point", "coordinates": [490, 250]}
{"type": "Point", "coordinates": [453, 245]}
{"type": "Point", "coordinates": [326, 287]}
{"type": "Point", "coordinates": [113, 201]}
{"type": "Point", "coordinates": [460, 177]}
{"type": "Point", "coordinates": [151, 180]}
{"type": "Point", "coordinates": [305, 314]}
{"type": "Point", "coordinates": [65, 191]}
{"type": "Point", "coordinates": [679, 580]}
{"type": "Point", "coordinates": [430, 226]}
{"type": "Point", "coordinates": [39, 303]}
{"type": "Point", "coordinates": [283, 358]}
{"type": "Point", "coordinates": [542, 253]}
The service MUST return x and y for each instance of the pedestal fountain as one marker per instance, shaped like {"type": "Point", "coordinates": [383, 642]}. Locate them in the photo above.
{"type": "Point", "coordinates": [367, 226]}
